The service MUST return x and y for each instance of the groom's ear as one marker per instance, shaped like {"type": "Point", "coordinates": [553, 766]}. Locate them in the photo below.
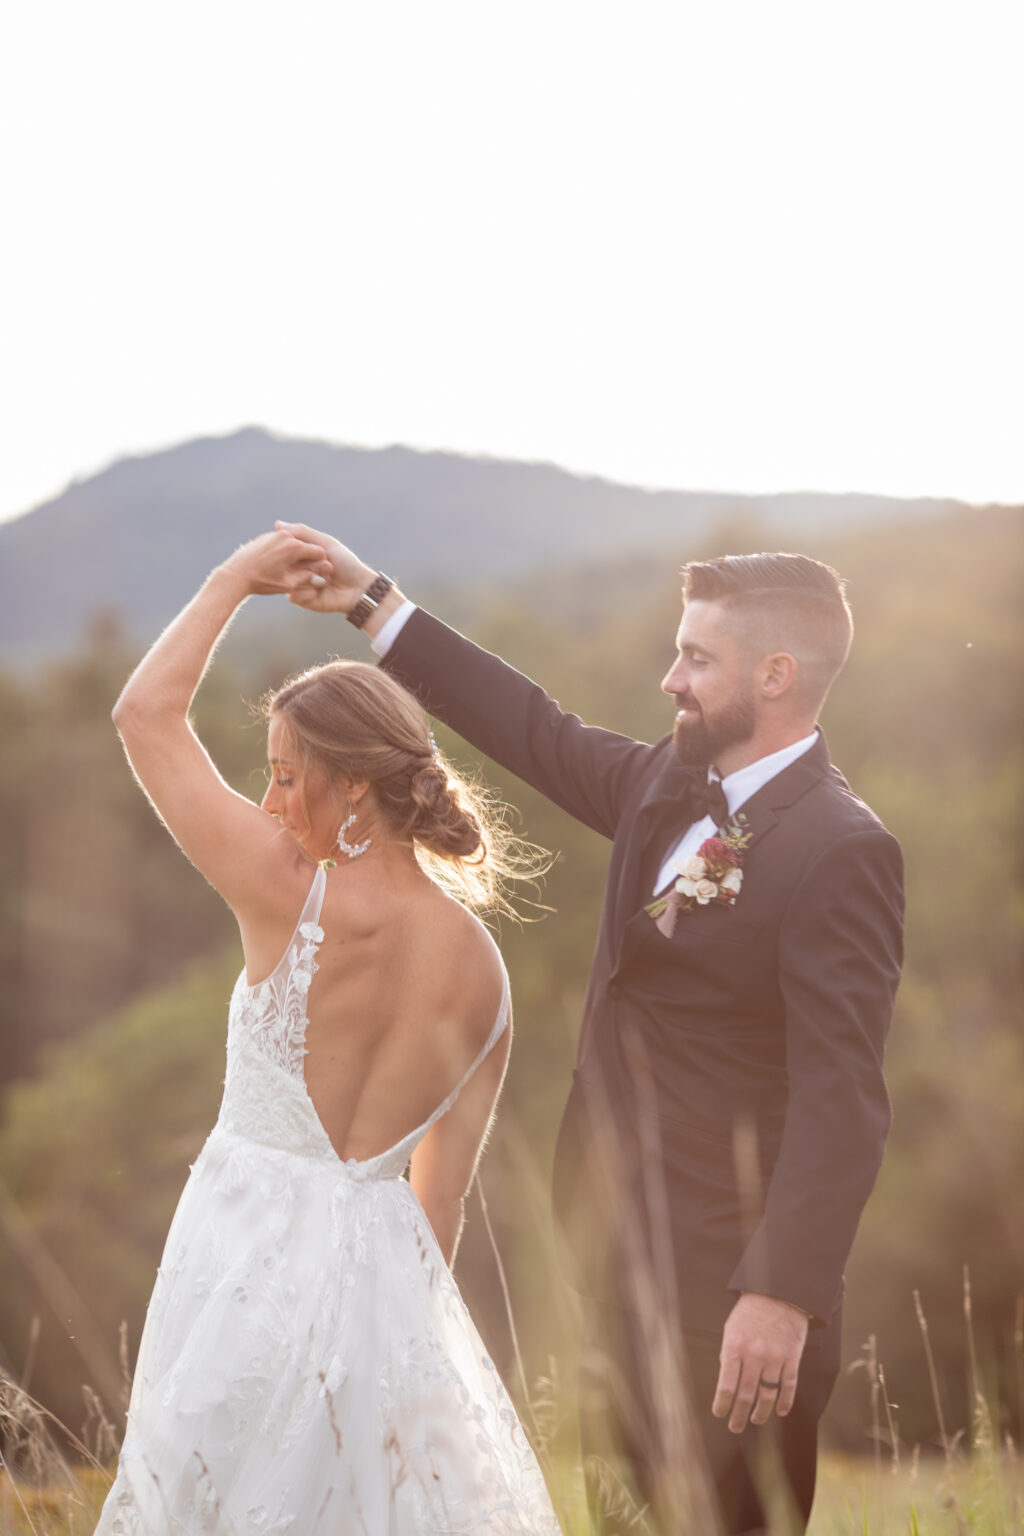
{"type": "Point", "coordinates": [777, 674]}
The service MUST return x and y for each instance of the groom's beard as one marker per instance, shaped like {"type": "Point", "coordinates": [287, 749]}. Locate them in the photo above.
{"type": "Point", "coordinates": [700, 739]}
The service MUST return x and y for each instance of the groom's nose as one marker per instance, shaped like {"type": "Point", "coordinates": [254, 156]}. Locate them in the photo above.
{"type": "Point", "coordinates": [673, 683]}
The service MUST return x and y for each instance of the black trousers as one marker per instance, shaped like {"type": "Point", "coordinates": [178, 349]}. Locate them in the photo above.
{"type": "Point", "coordinates": [650, 1441]}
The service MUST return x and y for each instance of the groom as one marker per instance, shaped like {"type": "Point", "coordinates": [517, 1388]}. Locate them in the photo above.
{"type": "Point", "coordinates": [728, 1113]}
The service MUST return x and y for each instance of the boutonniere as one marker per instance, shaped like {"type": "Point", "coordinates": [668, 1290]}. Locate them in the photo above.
{"type": "Point", "coordinates": [711, 876]}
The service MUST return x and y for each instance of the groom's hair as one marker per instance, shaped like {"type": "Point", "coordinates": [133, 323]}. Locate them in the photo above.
{"type": "Point", "coordinates": [781, 602]}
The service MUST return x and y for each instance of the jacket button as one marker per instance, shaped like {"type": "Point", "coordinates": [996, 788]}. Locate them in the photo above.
{"type": "Point", "coordinates": [614, 991]}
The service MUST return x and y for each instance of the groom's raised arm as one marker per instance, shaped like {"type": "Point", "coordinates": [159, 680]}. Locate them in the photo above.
{"type": "Point", "coordinates": [583, 769]}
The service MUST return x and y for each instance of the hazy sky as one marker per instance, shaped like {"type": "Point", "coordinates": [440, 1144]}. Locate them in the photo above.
{"type": "Point", "coordinates": [745, 244]}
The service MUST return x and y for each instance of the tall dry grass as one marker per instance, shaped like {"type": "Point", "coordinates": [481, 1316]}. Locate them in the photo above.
{"type": "Point", "coordinates": [53, 1480]}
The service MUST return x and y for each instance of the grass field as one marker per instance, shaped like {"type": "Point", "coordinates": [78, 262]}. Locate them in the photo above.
{"type": "Point", "coordinates": [977, 1494]}
{"type": "Point", "coordinates": [853, 1500]}
{"type": "Point", "coordinates": [53, 1482]}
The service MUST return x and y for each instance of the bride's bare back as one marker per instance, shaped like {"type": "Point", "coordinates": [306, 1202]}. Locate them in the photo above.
{"type": "Point", "coordinates": [408, 989]}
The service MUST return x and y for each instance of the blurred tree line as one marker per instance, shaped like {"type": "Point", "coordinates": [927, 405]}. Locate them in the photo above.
{"type": "Point", "coordinates": [117, 961]}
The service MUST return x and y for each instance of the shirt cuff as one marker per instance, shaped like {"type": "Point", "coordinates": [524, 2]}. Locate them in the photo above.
{"type": "Point", "coordinates": [390, 630]}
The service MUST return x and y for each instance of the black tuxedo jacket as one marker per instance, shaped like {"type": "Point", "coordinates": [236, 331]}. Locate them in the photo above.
{"type": "Point", "coordinates": [728, 1111]}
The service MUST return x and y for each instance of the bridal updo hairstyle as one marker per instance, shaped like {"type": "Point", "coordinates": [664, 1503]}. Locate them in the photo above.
{"type": "Point", "coordinates": [356, 722]}
{"type": "Point", "coordinates": [781, 602]}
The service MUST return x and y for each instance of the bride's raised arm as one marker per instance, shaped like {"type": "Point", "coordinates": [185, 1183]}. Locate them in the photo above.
{"type": "Point", "coordinates": [222, 832]}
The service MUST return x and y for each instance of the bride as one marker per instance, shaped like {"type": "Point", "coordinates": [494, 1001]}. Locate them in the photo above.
{"type": "Point", "coordinates": [308, 1365]}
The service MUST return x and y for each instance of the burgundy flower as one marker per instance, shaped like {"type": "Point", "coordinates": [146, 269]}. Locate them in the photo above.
{"type": "Point", "coordinates": [713, 875]}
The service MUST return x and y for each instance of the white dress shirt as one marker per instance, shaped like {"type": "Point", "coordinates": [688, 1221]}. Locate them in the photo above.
{"type": "Point", "coordinates": [390, 630]}
{"type": "Point", "coordinates": [738, 787]}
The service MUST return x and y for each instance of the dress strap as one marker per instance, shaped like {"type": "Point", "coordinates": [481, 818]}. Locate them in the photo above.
{"type": "Point", "coordinates": [400, 1153]}
{"type": "Point", "coordinates": [498, 1029]}
{"type": "Point", "coordinates": [315, 900]}
{"type": "Point", "coordinates": [309, 917]}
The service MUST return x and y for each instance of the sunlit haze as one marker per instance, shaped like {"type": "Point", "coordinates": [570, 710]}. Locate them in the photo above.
{"type": "Point", "coordinates": [738, 246]}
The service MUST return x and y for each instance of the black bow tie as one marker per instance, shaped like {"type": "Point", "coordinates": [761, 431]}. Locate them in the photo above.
{"type": "Point", "coordinates": [703, 798]}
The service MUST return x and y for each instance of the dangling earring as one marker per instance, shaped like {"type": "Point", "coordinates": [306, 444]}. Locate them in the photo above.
{"type": "Point", "coordinates": [352, 849]}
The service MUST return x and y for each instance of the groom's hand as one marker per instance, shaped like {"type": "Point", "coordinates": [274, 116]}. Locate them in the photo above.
{"type": "Point", "coordinates": [762, 1343]}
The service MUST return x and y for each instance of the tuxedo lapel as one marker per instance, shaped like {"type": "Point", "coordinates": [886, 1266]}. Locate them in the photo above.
{"type": "Point", "coordinates": [662, 814]}
{"type": "Point", "coordinates": [764, 807]}
{"type": "Point", "coordinates": [663, 817]}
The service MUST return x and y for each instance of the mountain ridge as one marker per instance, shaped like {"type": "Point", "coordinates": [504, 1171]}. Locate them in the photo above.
{"type": "Point", "coordinates": [138, 537]}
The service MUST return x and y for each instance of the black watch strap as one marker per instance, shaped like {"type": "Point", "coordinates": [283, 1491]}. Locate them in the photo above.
{"type": "Point", "coordinates": [371, 599]}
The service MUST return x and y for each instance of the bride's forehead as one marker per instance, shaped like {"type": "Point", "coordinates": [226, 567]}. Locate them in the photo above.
{"type": "Point", "coordinates": [279, 740]}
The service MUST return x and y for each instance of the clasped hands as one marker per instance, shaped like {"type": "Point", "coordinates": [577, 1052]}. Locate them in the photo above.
{"type": "Point", "coordinates": [313, 570]}
{"type": "Point", "coordinates": [295, 561]}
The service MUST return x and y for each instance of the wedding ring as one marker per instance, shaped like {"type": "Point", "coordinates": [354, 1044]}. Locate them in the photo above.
{"type": "Point", "coordinates": [773, 1386]}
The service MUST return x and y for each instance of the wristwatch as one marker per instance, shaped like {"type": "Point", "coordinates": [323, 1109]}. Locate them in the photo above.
{"type": "Point", "coordinates": [371, 599]}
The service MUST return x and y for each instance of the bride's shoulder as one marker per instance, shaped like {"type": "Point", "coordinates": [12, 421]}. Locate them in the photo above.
{"type": "Point", "coordinates": [272, 876]}
{"type": "Point", "coordinates": [468, 939]}
{"type": "Point", "coordinates": [274, 898]}
{"type": "Point", "coordinates": [447, 909]}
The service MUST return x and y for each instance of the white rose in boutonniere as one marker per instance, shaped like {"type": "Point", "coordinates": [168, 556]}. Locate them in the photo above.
{"type": "Point", "coordinates": [692, 868]}
{"type": "Point", "coordinates": [711, 875]}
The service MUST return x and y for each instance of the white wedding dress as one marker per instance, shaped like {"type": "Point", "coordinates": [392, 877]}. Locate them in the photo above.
{"type": "Point", "coordinates": [308, 1365]}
